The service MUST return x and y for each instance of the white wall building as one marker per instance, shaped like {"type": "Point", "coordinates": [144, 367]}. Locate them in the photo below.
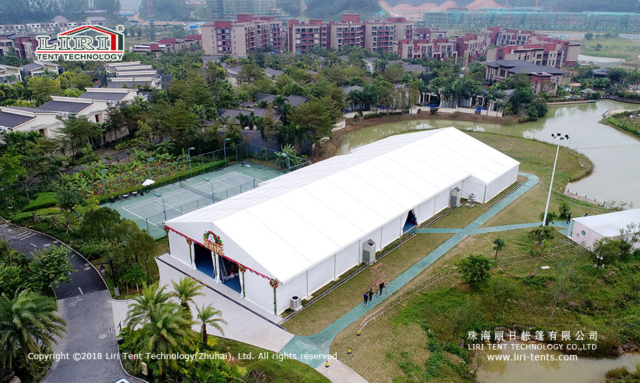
{"type": "Point", "coordinates": [304, 229]}
{"type": "Point", "coordinates": [588, 230]}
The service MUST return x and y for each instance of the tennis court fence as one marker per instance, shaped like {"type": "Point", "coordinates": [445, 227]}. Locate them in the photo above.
{"type": "Point", "coordinates": [114, 186]}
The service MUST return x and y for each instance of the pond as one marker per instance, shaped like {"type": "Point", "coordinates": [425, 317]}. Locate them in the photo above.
{"type": "Point", "coordinates": [615, 154]}
{"type": "Point", "coordinates": [583, 370]}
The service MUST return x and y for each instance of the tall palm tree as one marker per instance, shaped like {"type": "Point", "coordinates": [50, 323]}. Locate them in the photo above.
{"type": "Point", "coordinates": [185, 291]}
{"type": "Point", "coordinates": [27, 323]}
{"type": "Point", "coordinates": [207, 316]}
{"type": "Point", "coordinates": [151, 299]}
{"type": "Point", "coordinates": [168, 331]}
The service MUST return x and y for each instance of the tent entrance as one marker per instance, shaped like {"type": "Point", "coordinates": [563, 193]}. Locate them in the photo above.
{"type": "Point", "coordinates": [203, 259]}
{"type": "Point", "coordinates": [229, 274]}
{"type": "Point", "coordinates": [410, 223]}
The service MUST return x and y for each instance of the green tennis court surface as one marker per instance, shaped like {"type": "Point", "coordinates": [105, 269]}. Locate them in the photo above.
{"type": "Point", "coordinates": [164, 203]}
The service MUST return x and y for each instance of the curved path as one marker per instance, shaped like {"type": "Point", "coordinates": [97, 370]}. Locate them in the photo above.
{"type": "Point", "coordinates": [320, 343]}
{"type": "Point", "coordinates": [85, 304]}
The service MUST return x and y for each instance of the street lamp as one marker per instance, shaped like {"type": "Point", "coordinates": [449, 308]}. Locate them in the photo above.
{"type": "Point", "coordinates": [106, 198]}
{"type": "Point", "coordinates": [224, 142]}
{"type": "Point", "coordinates": [559, 137]}
{"type": "Point", "coordinates": [149, 165]}
{"type": "Point", "coordinates": [190, 170]}
{"type": "Point", "coordinates": [254, 174]}
{"type": "Point", "coordinates": [103, 271]}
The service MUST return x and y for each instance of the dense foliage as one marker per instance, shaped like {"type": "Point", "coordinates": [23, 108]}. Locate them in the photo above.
{"type": "Point", "coordinates": [325, 8]}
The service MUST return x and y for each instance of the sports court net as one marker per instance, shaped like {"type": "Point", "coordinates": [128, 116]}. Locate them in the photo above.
{"type": "Point", "coordinates": [191, 196]}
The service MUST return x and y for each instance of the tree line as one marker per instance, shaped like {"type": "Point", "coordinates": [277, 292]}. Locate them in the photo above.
{"type": "Point", "coordinates": [39, 11]}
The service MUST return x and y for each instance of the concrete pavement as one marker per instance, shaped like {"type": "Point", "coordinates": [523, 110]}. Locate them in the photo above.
{"type": "Point", "coordinates": [85, 304]}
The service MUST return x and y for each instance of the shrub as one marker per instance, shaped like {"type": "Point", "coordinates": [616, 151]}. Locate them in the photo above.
{"type": "Point", "coordinates": [524, 118]}
{"type": "Point", "coordinates": [372, 115]}
{"type": "Point", "coordinates": [434, 110]}
{"type": "Point", "coordinates": [46, 199]}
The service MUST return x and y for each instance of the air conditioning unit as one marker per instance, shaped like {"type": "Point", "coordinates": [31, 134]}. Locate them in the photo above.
{"type": "Point", "coordinates": [472, 198]}
{"type": "Point", "coordinates": [369, 252]}
{"type": "Point", "coordinates": [296, 303]}
{"type": "Point", "coordinates": [456, 195]}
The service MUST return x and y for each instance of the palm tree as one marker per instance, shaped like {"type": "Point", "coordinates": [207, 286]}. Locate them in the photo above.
{"type": "Point", "coordinates": [207, 316]}
{"type": "Point", "coordinates": [151, 299]}
{"type": "Point", "coordinates": [168, 331]}
{"type": "Point", "coordinates": [27, 323]}
{"type": "Point", "coordinates": [185, 291]}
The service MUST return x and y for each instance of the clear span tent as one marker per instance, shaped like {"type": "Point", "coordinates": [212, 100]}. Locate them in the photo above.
{"type": "Point", "coordinates": [304, 229]}
{"type": "Point", "coordinates": [588, 230]}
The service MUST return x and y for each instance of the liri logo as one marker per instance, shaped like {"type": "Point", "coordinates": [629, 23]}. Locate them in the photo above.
{"type": "Point", "coordinates": [86, 43]}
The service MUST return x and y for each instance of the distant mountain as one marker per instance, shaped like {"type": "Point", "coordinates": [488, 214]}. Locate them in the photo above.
{"type": "Point", "coordinates": [319, 9]}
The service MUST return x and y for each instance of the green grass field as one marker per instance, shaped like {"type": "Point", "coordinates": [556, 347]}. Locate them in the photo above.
{"type": "Point", "coordinates": [614, 48]}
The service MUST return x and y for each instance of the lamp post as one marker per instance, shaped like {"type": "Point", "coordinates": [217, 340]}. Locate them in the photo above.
{"type": "Point", "coordinates": [558, 137]}
{"type": "Point", "coordinates": [149, 165]}
{"type": "Point", "coordinates": [224, 142]}
{"type": "Point", "coordinates": [106, 197]}
{"type": "Point", "coordinates": [103, 271]}
{"type": "Point", "coordinates": [190, 170]}
{"type": "Point", "coordinates": [254, 174]}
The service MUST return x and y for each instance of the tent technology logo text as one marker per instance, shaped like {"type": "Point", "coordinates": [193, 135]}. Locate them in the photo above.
{"type": "Point", "coordinates": [86, 43]}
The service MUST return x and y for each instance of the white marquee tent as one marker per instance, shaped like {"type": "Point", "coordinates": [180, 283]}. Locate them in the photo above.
{"type": "Point", "coordinates": [304, 229]}
{"type": "Point", "coordinates": [588, 230]}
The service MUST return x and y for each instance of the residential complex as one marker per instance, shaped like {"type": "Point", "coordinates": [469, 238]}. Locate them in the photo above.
{"type": "Point", "coordinates": [513, 44]}
{"type": "Point", "coordinates": [240, 37]}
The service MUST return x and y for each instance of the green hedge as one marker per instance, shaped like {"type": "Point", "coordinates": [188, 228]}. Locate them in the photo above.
{"type": "Point", "coordinates": [46, 199]}
{"type": "Point", "coordinates": [184, 174]}
{"type": "Point", "coordinates": [42, 212]}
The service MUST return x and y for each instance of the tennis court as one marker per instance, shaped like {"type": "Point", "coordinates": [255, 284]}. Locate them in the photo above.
{"type": "Point", "coordinates": [158, 205]}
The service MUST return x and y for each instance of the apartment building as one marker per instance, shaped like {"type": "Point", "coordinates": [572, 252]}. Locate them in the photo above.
{"type": "Point", "coordinates": [302, 37]}
{"type": "Point", "coordinates": [470, 47]}
{"type": "Point", "coordinates": [435, 49]}
{"type": "Point", "coordinates": [241, 37]}
{"type": "Point", "coordinates": [381, 36]}
{"type": "Point", "coordinates": [348, 33]}
{"type": "Point", "coordinates": [536, 49]}
{"type": "Point", "coordinates": [428, 33]}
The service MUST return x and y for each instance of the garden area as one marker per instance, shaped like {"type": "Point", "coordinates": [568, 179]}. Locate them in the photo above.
{"type": "Point", "coordinates": [626, 121]}
{"type": "Point", "coordinates": [160, 321]}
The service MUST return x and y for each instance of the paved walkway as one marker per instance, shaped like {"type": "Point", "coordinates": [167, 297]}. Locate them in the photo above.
{"type": "Point", "coordinates": [247, 322]}
{"type": "Point", "coordinates": [85, 304]}
{"type": "Point", "coordinates": [309, 349]}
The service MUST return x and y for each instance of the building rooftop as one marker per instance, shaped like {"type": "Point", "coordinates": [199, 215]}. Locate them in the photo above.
{"type": "Point", "coordinates": [64, 106]}
{"type": "Point", "coordinates": [10, 120]}
{"type": "Point", "coordinates": [519, 66]}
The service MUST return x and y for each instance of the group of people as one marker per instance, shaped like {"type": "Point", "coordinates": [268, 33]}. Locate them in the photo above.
{"type": "Point", "coordinates": [368, 296]}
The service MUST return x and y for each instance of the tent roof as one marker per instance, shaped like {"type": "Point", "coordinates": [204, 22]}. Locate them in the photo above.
{"type": "Point", "coordinates": [293, 222]}
{"type": "Point", "coordinates": [609, 225]}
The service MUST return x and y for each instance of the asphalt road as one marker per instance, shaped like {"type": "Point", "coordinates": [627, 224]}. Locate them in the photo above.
{"type": "Point", "coordinates": [85, 304]}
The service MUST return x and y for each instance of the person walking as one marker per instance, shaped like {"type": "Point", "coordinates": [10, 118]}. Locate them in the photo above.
{"type": "Point", "coordinates": [370, 295]}
{"type": "Point", "coordinates": [366, 298]}
{"type": "Point", "coordinates": [381, 287]}
{"type": "Point", "coordinates": [569, 218]}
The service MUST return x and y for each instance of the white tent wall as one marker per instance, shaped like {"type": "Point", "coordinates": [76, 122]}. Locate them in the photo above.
{"type": "Point", "coordinates": [179, 248]}
{"type": "Point", "coordinates": [501, 183]}
{"type": "Point", "coordinates": [297, 286]}
{"type": "Point", "coordinates": [320, 274]}
{"type": "Point", "coordinates": [475, 186]}
{"type": "Point", "coordinates": [391, 231]}
{"type": "Point", "coordinates": [442, 200]}
{"type": "Point", "coordinates": [346, 259]}
{"type": "Point", "coordinates": [426, 210]}
{"type": "Point", "coordinates": [258, 290]}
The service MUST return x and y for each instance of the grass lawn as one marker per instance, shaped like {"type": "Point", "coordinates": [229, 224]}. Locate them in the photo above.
{"type": "Point", "coordinates": [418, 339]}
{"type": "Point", "coordinates": [271, 369]}
{"type": "Point", "coordinates": [537, 158]}
{"type": "Point", "coordinates": [328, 309]}
{"type": "Point", "coordinates": [614, 48]}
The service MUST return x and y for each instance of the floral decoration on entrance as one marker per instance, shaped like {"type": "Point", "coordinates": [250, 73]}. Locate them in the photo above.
{"type": "Point", "coordinates": [213, 243]}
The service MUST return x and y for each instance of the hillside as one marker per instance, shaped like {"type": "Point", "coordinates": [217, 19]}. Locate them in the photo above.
{"type": "Point", "coordinates": [320, 9]}
{"type": "Point", "coordinates": [555, 5]}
